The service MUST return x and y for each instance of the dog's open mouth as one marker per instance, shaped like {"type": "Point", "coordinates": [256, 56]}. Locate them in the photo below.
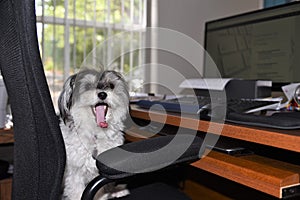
{"type": "Point", "coordinates": [101, 111]}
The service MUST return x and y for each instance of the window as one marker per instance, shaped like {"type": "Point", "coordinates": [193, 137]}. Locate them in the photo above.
{"type": "Point", "coordinates": [68, 30]}
{"type": "Point", "coordinates": [270, 3]}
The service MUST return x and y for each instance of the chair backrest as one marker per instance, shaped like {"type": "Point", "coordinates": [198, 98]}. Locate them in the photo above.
{"type": "Point", "coordinates": [39, 154]}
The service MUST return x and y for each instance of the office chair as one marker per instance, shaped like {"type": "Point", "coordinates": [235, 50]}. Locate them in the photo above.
{"type": "Point", "coordinates": [39, 153]}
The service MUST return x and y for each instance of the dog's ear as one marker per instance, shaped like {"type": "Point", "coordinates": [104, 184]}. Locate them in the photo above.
{"type": "Point", "coordinates": [118, 74]}
{"type": "Point", "coordinates": [65, 98]}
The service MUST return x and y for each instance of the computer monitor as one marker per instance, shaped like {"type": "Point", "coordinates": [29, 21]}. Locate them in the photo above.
{"type": "Point", "coordinates": [258, 45]}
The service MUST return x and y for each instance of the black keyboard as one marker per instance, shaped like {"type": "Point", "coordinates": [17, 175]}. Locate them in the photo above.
{"type": "Point", "coordinates": [251, 105]}
{"type": "Point", "coordinates": [194, 104]}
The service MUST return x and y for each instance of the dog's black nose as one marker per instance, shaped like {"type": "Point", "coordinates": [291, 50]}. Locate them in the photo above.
{"type": "Point", "coordinates": [102, 95]}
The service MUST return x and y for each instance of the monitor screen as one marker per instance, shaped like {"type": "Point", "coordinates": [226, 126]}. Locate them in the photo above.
{"type": "Point", "coordinates": [259, 45]}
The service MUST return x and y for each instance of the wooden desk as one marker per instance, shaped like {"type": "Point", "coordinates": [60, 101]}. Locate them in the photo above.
{"type": "Point", "coordinates": [5, 189]}
{"type": "Point", "coordinates": [277, 178]}
{"type": "Point", "coordinates": [6, 137]}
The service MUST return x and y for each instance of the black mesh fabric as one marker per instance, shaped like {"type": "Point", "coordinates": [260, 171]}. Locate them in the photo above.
{"type": "Point", "coordinates": [138, 160]}
{"type": "Point", "coordinates": [39, 155]}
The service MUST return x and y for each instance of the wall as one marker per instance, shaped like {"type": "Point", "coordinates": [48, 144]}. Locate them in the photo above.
{"type": "Point", "coordinates": [189, 17]}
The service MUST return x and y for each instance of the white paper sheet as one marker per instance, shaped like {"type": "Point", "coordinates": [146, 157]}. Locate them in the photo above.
{"type": "Point", "coordinates": [289, 90]}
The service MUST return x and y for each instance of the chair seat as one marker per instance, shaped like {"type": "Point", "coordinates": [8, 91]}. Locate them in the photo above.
{"type": "Point", "coordinates": [156, 191]}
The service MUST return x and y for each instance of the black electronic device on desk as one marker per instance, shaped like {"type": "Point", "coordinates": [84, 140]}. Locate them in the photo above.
{"type": "Point", "coordinates": [238, 111]}
{"type": "Point", "coordinates": [192, 105]}
{"type": "Point", "coordinates": [280, 120]}
{"type": "Point", "coordinates": [230, 147]}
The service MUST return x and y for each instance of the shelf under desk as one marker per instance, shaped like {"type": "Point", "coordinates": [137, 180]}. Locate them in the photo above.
{"type": "Point", "coordinates": [276, 178]}
{"type": "Point", "coordinates": [260, 173]}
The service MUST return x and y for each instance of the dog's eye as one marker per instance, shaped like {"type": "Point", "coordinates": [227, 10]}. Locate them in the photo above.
{"type": "Point", "coordinates": [111, 86]}
{"type": "Point", "coordinates": [105, 86]}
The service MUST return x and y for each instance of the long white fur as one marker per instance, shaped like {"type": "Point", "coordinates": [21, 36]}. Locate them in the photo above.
{"type": "Point", "coordinates": [82, 135]}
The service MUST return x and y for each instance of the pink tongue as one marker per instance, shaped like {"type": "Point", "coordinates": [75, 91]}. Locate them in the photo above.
{"type": "Point", "coordinates": [100, 116]}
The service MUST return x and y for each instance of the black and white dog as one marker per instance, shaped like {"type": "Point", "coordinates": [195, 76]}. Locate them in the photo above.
{"type": "Point", "coordinates": [93, 106]}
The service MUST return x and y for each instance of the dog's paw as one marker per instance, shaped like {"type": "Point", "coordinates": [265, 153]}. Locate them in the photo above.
{"type": "Point", "coordinates": [118, 191]}
{"type": "Point", "coordinates": [121, 193]}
